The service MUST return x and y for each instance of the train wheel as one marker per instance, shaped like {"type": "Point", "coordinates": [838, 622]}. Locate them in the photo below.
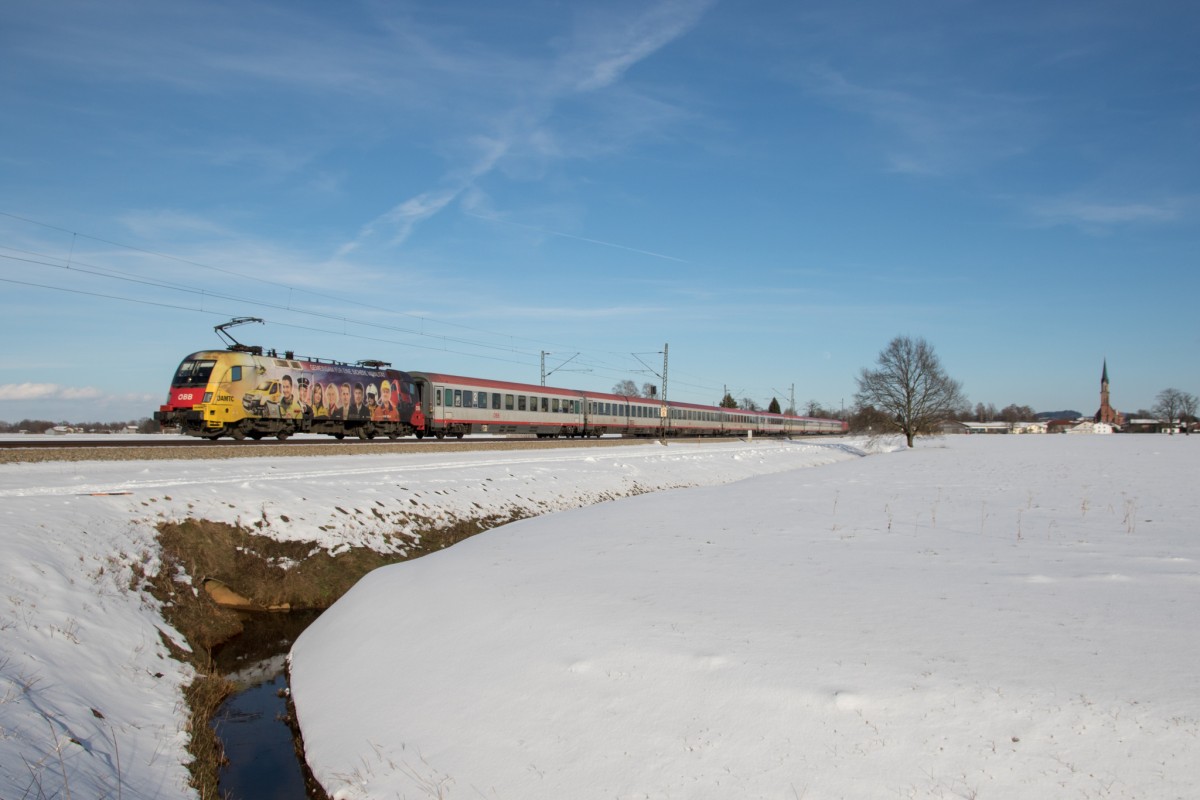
{"type": "Point", "coordinates": [458, 435]}
{"type": "Point", "coordinates": [440, 435]}
{"type": "Point", "coordinates": [238, 433]}
{"type": "Point", "coordinates": [282, 434]}
{"type": "Point", "coordinates": [256, 435]}
{"type": "Point", "coordinates": [339, 436]}
{"type": "Point", "coordinates": [420, 434]}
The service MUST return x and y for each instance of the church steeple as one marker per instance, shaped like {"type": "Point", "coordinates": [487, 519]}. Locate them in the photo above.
{"type": "Point", "coordinates": [1107, 413]}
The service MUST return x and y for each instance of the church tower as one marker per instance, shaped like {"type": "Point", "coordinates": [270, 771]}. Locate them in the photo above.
{"type": "Point", "coordinates": [1107, 413]}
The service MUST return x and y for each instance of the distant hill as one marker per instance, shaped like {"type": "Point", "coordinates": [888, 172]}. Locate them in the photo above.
{"type": "Point", "coordinates": [1059, 415]}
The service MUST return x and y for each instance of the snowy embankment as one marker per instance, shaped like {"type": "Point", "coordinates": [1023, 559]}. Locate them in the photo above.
{"type": "Point", "coordinates": [981, 617]}
{"type": "Point", "coordinates": [91, 703]}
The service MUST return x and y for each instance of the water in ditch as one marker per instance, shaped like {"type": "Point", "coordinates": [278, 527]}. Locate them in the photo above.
{"type": "Point", "coordinates": [252, 724]}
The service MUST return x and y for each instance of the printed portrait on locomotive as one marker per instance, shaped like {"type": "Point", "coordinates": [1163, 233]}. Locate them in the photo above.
{"type": "Point", "coordinates": [238, 388]}
{"type": "Point", "coordinates": [286, 389]}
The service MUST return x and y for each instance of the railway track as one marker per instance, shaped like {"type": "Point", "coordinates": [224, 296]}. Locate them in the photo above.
{"type": "Point", "coordinates": [29, 451]}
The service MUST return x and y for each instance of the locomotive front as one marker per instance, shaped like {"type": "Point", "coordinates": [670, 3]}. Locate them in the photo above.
{"type": "Point", "coordinates": [197, 403]}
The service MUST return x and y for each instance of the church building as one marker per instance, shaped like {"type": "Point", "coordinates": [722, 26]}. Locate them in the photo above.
{"type": "Point", "coordinates": [1107, 413]}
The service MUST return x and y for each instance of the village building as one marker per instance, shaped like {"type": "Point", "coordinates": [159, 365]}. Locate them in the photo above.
{"type": "Point", "coordinates": [1088, 426]}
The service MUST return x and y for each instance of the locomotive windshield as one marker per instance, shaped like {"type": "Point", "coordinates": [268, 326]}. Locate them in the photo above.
{"type": "Point", "coordinates": [194, 373]}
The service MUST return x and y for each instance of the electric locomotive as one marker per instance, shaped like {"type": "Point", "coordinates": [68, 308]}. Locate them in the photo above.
{"type": "Point", "coordinates": [243, 392]}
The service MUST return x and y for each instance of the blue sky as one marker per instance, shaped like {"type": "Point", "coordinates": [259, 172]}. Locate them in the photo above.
{"type": "Point", "coordinates": [773, 189]}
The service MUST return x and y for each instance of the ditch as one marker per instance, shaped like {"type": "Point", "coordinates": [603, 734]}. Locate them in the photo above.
{"type": "Point", "coordinates": [262, 760]}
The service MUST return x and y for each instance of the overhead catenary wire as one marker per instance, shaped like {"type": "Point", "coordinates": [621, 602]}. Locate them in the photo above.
{"type": "Point", "coordinates": [459, 344]}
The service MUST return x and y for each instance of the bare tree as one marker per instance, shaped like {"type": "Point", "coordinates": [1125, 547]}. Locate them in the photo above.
{"type": "Point", "coordinates": [1015, 413]}
{"type": "Point", "coordinates": [1174, 405]}
{"type": "Point", "coordinates": [1187, 411]}
{"type": "Point", "coordinates": [910, 387]}
{"type": "Point", "coordinates": [748, 404]}
{"type": "Point", "coordinates": [626, 388]}
{"type": "Point", "coordinates": [868, 419]}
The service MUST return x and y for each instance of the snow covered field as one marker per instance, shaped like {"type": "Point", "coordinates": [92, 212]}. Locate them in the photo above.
{"type": "Point", "coordinates": [981, 617]}
{"type": "Point", "coordinates": [91, 704]}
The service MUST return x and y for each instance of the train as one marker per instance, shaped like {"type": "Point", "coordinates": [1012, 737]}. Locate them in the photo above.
{"type": "Point", "coordinates": [245, 393]}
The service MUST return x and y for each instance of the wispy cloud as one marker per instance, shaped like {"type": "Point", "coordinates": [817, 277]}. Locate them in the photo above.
{"type": "Point", "coordinates": [558, 312]}
{"type": "Point", "coordinates": [930, 128]}
{"type": "Point", "coordinates": [47, 391]}
{"type": "Point", "coordinates": [574, 237]}
{"type": "Point", "coordinates": [602, 49]}
{"type": "Point", "coordinates": [1097, 214]}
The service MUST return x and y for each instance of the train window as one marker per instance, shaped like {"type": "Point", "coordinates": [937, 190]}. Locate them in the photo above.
{"type": "Point", "coordinates": [520, 402]}
{"type": "Point", "coordinates": [481, 400]}
{"type": "Point", "coordinates": [508, 402]}
{"type": "Point", "coordinates": [458, 398]}
{"type": "Point", "coordinates": [495, 401]}
{"type": "Point", "coordinates": [545, 404]}
{"type": "Point", "coordinates": [437, 398]}
{"type": "Point", "coordinates": [194, 373]}
{"type": "Point", "coordinates": [235, 374]}
{"type": "Point", "coordinates": [554, 405]}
